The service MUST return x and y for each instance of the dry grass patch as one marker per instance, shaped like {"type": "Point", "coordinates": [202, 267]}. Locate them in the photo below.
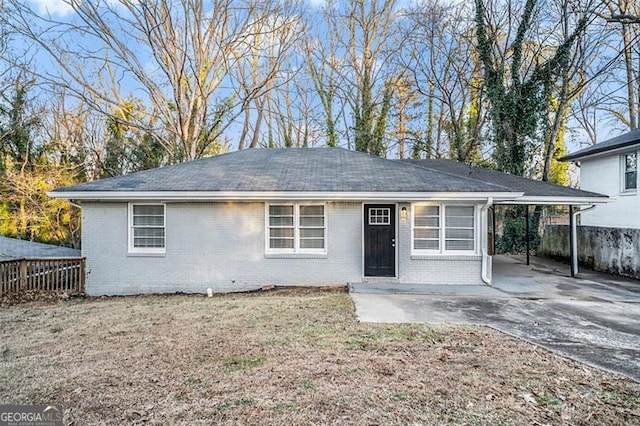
{"type": "Point", "coordinates": [286, 359]}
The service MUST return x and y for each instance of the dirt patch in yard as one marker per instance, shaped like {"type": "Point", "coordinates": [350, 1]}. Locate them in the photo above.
{"type": "Point", "coordinates": [286, 358]}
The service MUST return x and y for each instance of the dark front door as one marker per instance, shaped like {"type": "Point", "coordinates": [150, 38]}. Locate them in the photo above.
{"type": "Point", "coordinates": [380, 240]}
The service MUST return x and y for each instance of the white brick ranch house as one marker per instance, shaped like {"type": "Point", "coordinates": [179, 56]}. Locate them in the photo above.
{"type": "Point", "coordinates": [305, 216]}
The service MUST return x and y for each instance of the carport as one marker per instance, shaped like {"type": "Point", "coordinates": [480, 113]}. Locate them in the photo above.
{"type": "Point", "coordinates": [535, 193]}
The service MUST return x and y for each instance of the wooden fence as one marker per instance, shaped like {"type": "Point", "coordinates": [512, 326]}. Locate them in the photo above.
{"type": "Point", "coordinates": [43, 274]}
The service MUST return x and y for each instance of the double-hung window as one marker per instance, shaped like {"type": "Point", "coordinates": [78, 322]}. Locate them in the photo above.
{"type": "Point", "coordinates": [443, 229]}
{"type": "Point", "coordinates": [630, 175]}
{"type": "Point", "coordinates": [147, 228]}
{"type": "Point", "coordinates": [296, 228]}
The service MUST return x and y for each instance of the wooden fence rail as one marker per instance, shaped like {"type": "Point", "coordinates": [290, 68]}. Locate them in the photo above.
{"type": "Point", "coordinates": [43, 274]}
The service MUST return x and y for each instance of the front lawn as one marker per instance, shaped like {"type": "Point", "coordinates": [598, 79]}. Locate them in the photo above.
{"type": "Point", "coordinates": [286, 358]}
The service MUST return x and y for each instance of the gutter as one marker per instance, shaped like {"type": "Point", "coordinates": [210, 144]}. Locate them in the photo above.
{"type": "Point", "coordinates": [485, 241]}
{"type": "Point", "coordinates": [203, 196]}
{"type": "Point", "coordinates": [574, 238]}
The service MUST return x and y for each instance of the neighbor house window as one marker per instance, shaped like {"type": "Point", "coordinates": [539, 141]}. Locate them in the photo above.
{"type": "Point", "coordinates": [147, 228]}
{"type": "Point", "coordinates": [630, 177]}
{"type": "Point", "coordinates": [296, 228]}
{"type": "Point", "coordinates": [440, 228]}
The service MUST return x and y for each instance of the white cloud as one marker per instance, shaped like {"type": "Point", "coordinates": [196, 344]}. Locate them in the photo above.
{"type": "Point", "coordinates": [52, 7]}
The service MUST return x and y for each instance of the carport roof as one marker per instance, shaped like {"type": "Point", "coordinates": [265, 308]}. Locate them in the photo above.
{"type": "Point", "coordinates": [533, 190]}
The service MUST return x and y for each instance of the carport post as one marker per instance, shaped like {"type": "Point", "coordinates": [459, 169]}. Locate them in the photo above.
{"type": "Point", "coordinates": [572, 243]}
{"type": "Point", "coordinates": [526, 221]}
{"type": "Point", "coordinates": [493, 229]}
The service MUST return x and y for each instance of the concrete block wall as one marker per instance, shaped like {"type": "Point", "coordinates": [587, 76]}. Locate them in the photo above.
{"type": "Point", "coordinates": [612, 250]}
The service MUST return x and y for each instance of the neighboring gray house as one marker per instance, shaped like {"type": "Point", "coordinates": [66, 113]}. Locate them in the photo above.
{"type": "Point", "coordinates": [307, 216]}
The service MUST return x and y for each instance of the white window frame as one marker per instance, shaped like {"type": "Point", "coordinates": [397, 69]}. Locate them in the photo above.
{"type": "Point", "coordinates": [623, 161]}
{"type": "Point", "coordinates": [130, 233]}
{"type": "Point", "coordinates": [296, 230]}
{"type": "Point", "coordinates": [442, 231]}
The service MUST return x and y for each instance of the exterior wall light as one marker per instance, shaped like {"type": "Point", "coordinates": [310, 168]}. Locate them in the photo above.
{"type": "Point", "coordinates": [404, 212]}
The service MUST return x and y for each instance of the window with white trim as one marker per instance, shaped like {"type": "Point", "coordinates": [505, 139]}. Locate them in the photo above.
{"type": "Point", "coordinates": [630, 177]}
{"type": "Point", "coordinates": [452, 232]}
{"type": "Point", "coordinates": [296, 228]}
{"type": "Point", "coordinates": [147, 228]}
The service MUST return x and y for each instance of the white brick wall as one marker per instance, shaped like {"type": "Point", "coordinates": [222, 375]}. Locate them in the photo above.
{"type": "Point", "coordinates": [452, 269]}
{"type": "Point", "coordinates": [222, 245]}
{"type": "Point", "coordinates": [603, 175]}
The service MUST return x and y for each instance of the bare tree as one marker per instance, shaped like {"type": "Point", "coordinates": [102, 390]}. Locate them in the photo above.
{"type": "Point", "coordinates": [625, 15]}
{"type": "Point", "coordinates": [350, 61]}
{"type": "Point", "coordinates": [440, 55]}
{"type": "Point", "coordinates": [178, 55]}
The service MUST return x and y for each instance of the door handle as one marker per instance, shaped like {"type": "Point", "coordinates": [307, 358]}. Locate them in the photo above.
{"type": "Point", "coordinates": [393, 242]}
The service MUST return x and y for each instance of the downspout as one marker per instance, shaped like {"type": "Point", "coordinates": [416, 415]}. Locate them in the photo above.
{"type": "Point", "coordinates": [574, 239]}
{"type": "Point", "coordinates": [78, 206]}
{"type": "Point", "coordinates": [484, 240]}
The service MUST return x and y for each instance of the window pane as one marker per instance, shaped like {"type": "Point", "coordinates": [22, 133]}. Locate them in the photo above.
{"type": "Point", "coordinates": [427, 210]}
{"type": "Point", "coordinates": [280, 210]}
{"type": "Point", "coordinates": [459, 245]}
{"type": "Point", "coordinates": [459, 222]}
{"type": "Point", "coordinates": [148, 220]}
{"type": "Point", "coordinates": [148, 242]}
{"type": "Point", "coordinates": [459, 211]}
{"type": "Point", "coordinates": [426, 245]}
{"type": "Point", "coordinates": [311, 233]}
{"type": "Point", "coordinates": [281, 221]}
{"type": "Point", "coordinates": [281, 232]}
{"type": "Point", "coordinates": [315, 243]}
{"type": "Point", "coordinates": [466, 234]}
{"type": "Point", "coordinates": [631, 180]}
{"type": "Point", "coordinates": [148, 232]}
{"type": "Point", "coordinates": [631, 162]}
{"type": "Point", "coordinates": [145, 209]}
{"type": "Point", "coordinates": [312, 221]}
{"type": "Point", "coordinates": [279, 243]}
{"type": "Point", "coordinates": [427, 221]}
{"type": "Point", "coordinates": [426, 233]}
{"type": "Point", "coordinates": [311, 210]}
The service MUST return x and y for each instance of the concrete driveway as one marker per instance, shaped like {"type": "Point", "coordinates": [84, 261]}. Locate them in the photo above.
{"type": "Point", "coordinates": [594, 319]}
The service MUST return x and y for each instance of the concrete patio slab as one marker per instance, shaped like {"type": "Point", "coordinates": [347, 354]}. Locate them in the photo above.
{"type": "Point", "coordinates": [432, 289]}
{"type": "Point", "coordinates": [594, 321]}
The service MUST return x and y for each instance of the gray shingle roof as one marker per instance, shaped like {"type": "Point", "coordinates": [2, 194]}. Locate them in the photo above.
{"type": "Point", "coordinates": [292, 169]}
{"type": "Point", "coordinates": [12, 248]}
{"type": "Point", "coordinates": [625, 140]}
{"type": "Point", "coordinates": [530, 187]}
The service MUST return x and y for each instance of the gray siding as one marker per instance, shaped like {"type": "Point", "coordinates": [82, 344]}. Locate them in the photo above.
{"type": "Point", "coordinates": [222, 246]}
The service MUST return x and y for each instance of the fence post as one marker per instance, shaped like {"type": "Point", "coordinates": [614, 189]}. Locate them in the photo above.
{"type": "Point", "coordinates": [23, 274]}
{"type": "Point", "coordinates": [83, 276]}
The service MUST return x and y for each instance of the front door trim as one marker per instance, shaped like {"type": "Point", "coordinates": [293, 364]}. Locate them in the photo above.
{"type": "Point", "coordinates": [364, 217]}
